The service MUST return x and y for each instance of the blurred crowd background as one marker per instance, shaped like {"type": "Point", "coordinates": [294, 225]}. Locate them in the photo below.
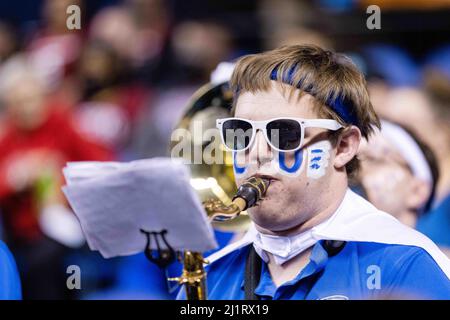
{"type": "Point", "coordinates": [115, 89]}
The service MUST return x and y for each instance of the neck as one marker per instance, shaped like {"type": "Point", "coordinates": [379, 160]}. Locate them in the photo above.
{"type": "Point", "coordinates": [286, 272]}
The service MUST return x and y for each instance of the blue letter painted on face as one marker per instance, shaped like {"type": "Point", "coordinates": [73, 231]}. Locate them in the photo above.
{"type": "Point", "coordinates": [237, 169]}
{"type": "Point", "coordinates": [297, 163]}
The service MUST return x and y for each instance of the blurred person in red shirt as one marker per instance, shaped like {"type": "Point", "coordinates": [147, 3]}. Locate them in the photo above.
{"type": "Point", "coordinates": [54, 49]}
{"type": "Point", "coordinates": [112, 102]}
{"type": "Point", "coordinates": [37, 139]}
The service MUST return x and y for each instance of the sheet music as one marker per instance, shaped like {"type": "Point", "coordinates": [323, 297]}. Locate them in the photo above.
{"type": "Point", "coordinates": [114, 200]}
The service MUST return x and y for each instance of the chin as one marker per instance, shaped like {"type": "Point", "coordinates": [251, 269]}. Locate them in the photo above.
{"type": "Point", "coordinates": [269, 219]}
{"type": "Point", "coordinates": [276, 218]}
{"type": "Point", "coordinates": [262, 216]}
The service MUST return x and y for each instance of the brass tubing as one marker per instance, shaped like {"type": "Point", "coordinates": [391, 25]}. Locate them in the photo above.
{"type": "Point", "coordinates": [194, 274]}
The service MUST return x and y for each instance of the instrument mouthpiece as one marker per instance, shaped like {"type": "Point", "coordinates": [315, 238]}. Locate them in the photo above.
{"type": "Point", "coordinates": [252, 190]}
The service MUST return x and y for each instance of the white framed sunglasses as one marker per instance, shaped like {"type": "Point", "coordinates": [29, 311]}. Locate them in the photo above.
{"type": "Point", "coordinates": [282, 134]}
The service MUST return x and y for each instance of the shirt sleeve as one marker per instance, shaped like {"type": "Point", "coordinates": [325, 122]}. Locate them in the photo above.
{"type": "Point", "coordinates": [10, 288]}
{"type": "Point", "coordinates": [419, 277]}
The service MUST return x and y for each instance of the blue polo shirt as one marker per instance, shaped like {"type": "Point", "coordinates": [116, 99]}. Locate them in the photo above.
{"type": "Point", "coordinates": [361, 270]}
{"type": "Point", "coordinates": [10, 288]}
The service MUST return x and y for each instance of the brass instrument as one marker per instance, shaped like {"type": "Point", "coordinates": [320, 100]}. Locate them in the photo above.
{"type": "Point", "coordinates": [194, 274]}
{"type": "Point", "coordinates": [212, 181]}
{"type": "Point", "coordinates": [224, 204]}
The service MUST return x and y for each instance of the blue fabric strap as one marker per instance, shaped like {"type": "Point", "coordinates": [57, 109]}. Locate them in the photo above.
{"type": "Point", "coordinates": [339, 105]}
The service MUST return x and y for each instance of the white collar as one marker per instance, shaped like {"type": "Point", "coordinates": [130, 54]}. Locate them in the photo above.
{"type": "Point", "coordinates": [357, 220]}
{"type": "Point", "coordinates": [284, 248]}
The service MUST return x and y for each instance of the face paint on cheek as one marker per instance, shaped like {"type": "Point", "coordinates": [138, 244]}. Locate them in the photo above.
{"type": "Point", "coordinates": [318, 156]}
{"type": "Point", "coordinates": [291, 170]}
{"type": "Point", "coordinates": [238, 170]}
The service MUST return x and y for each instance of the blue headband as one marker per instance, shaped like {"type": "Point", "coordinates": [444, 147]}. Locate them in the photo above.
{"type": "Point", "coordinates": [343, 107]}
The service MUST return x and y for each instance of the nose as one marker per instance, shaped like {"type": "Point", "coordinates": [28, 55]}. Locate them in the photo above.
{"type": "Point", "coordinates": [260, 152]}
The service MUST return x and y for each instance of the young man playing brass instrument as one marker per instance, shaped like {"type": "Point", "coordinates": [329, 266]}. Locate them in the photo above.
{"type": "Point", "coordinates": [300, 113]}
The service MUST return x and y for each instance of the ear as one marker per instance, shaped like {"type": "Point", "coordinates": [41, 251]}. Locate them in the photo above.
{"type": "Point", "coordinates": [347, 146]}
{"type": "Point", "coordinates": [418, 195]}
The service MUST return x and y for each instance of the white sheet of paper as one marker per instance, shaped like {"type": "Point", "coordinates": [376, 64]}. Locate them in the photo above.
{"type": "Point", "coordinates": [114, 200]}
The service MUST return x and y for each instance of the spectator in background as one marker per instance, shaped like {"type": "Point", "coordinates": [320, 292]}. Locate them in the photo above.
{"type": "Point", "coordinates": [118, 69]}
{"type": "Point", "coordinates": [437, 90]}
{"type": "Point", "coordinates": [436, 224]}
{"type": "Point", "coordinates": [138, 31]}
{"type": "Point", "coordinates": [398, 173]}
{"type": "Point", "coordinates": [197, 48]}
{"type": "Point", "coordinates": [109, 105]}
{"type": "Point", "coordinates": [415, 109]}
{"type": "Point", "coordinates": [426, 111]}
{"type": "Point", "coordinates": [387, 68]}
{"type": "Point", "coordinates": [54, 49]}
{"type": "Point", "coordinates": [37, 140]}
